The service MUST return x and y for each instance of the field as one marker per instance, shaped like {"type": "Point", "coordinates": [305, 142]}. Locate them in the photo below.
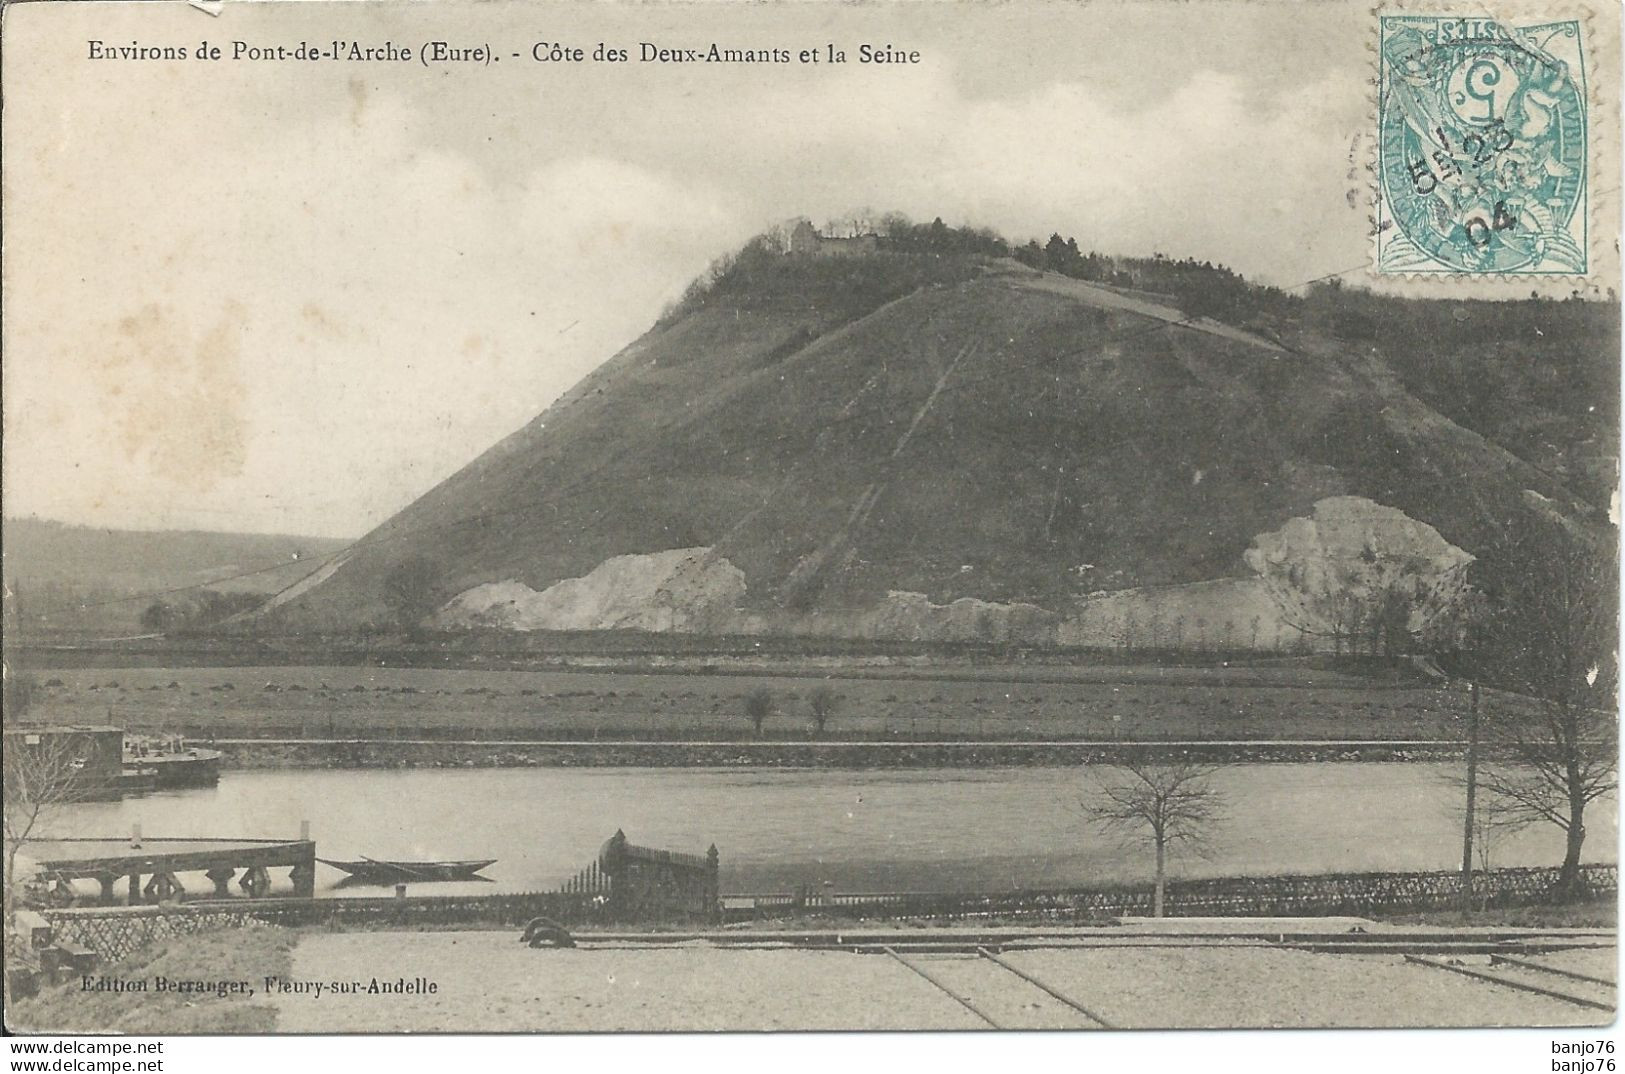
{"type": "Point", "coordinates": [362, 702]}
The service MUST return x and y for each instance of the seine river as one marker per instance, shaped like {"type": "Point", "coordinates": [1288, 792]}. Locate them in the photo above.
{"type": "Point", "coordinates": [916, 830]}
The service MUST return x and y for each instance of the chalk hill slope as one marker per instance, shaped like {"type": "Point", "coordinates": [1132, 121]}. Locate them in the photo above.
{"type": "Point", "coordinates": [806, 455]}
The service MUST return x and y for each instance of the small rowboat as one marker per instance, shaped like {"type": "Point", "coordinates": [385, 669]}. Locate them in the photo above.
{"type": "Point", "coordinates": [370, 871]}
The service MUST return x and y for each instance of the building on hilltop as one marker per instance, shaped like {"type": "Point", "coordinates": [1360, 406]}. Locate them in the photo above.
{"type": "Point", "coordinates": [806, 241]}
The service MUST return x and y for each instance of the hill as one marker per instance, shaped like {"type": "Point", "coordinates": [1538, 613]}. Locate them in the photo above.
{"type": "Point", "coordinates": [79, 578]}
{"type": "Point", "coordinates": [942, 442]}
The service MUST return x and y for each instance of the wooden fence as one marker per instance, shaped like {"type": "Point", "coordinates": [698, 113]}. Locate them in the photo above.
{"type": "Point", "coordinates": [114, 932]}
{"type": "Point", "coordinates": [590, 881]}
{"type": "Point", "coordinates": [660, 885]}
{"type": "Point", "coordinates": [1316, 895]}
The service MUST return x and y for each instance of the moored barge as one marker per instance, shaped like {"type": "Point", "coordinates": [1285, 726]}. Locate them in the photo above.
{"type": "Point", "coordinates": [171, 762]}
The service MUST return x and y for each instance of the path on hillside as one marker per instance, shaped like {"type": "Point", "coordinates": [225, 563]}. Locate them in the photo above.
{"type": "Point", "coordinates": [1106, 298]}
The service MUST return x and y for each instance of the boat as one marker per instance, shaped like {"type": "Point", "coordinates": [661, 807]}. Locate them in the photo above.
{"type": "Point", "coordinates": [371, 871]}
{"type": "Point", "coordinates": [134, 780]}
{"type": "Point", "coordinates": [171, 762]}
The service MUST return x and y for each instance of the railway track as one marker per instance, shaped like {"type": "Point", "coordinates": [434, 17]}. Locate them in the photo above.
{"type": "Point", "coordinates": [970, 941]}
{"type": "Point", "coordinates": [981, 982]}
{"type": "Point", "coordinates": [985, 973]}
{"type": "Point", "coordinates": [1530, 975]}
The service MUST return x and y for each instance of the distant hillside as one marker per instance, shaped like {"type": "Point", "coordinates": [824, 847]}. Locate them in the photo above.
{"type": "Point", "coordinates": [937, 441]}
{"type": "Point", "coordinates": [67, 577]}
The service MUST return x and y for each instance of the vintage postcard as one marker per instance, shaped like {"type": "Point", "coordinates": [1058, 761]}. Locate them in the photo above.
{"type": "Point", "coordinates": [537, 518]}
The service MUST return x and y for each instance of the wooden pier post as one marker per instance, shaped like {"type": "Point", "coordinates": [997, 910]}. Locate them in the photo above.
{"type": "Point", "coordinates": [303, 874]}
{"type": "Point", "coordinates": [135, 889]}
{"type": "Point", "coordinates": [107, 880]}
{"type": "Point", "coordinates": [256, 882]}
{"type": "Point", "coordinates": [713, 896]}
{"type": "Point", "coordinates": [164, 887]}
{"type": "Point", "coordinates": [221, 878]}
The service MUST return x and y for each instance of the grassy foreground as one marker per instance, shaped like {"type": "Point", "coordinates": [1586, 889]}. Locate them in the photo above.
{"type": "Point", "coordinates": [228, 955]}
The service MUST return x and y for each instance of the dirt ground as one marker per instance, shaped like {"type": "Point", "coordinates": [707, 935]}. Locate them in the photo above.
{"type": "Point", "coordinates": [490, 982]}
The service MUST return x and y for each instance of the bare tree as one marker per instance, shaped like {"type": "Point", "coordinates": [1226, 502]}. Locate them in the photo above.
{"type": "Point", "coordinates": [758, 707]}
{"type": "Point", "coordinates": [39, 779]}
{"type": "Point", "coordinates": [822, 702]}
{"type": "Point", "coordinates": [1493, 821]}
{"type": "Point", "coordinates": [1546, 629]}
{"type": "Point", "coordinates": [1160, 805]}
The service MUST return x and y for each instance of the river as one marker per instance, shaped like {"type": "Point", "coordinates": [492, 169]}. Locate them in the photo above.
{"type": "Point", "coordinates": [918, 830]}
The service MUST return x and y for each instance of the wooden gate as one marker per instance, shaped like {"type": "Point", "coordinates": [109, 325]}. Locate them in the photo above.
{"type": "Point", "coordinates": [659, 885]}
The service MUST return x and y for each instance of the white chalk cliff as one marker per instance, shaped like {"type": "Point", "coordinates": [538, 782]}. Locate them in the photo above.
{"type": "Point", "coordinates": [1316, 580]}
{"type": "Point", "coordinates": [675, 590]}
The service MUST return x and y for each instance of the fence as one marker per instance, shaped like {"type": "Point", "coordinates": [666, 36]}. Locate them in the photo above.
{"type": "Point", "coordinates": [115, 932]}
{"type": "Point", "coordinates": [659, 885]}
{"type": "Point", "coordinates": [626, 884]}
{"type": "Point", "coordinates": [1352, 894]}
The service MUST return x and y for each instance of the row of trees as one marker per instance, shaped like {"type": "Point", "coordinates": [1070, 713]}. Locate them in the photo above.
{"type": "Point", "coordinates": [1539, 628]}
{"type": "Point", "coordinates": [1543, 627]}
{"type": "Point", "coordinates": [197, 611]}
{"type": "Point", "coordinates": [1201, 288]}
{"type": "Point", "coordinates": [760, 704]}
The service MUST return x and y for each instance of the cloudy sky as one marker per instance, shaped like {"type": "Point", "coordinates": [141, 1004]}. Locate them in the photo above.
{"type": "Point", "coordinates": [292, 297]}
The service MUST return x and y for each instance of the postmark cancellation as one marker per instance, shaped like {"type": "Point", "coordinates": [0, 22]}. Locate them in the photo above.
{"type": "Point", "coordinates": [1483, 164]}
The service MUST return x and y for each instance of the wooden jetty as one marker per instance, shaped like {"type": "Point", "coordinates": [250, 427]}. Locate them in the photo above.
{"type": "Point", "coordinates": [161, 861]}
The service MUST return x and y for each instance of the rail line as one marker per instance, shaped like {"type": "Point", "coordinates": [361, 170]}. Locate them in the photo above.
{"type": "Point", "coordinates": [992, 1005]}
{"type": "Point", "coordinates": [955, 996]}
{"type": "Point", "coordinates": [1036, 983]}
{"type": "Point", "coordinates": [1242, 933]}
{"type": "Point", "coordinates": [1512, 982]}
{"type": "Point", "coordinates": [986, 957]}
{"type": "Point", "coordinates": [1555, 971]}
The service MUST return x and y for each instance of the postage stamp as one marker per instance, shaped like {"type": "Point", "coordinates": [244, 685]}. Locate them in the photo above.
{"type": "Point", "coordinates": [1482, 147]}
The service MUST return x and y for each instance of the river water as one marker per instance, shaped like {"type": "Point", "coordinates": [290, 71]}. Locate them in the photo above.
{"type": "Point", "coordinates": [915, 830]}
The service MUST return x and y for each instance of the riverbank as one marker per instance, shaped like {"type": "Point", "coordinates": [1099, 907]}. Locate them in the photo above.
{"type": "Point", "coordinates": [348, 703]}
{"type": "Point", "coordinates": [251, 754]}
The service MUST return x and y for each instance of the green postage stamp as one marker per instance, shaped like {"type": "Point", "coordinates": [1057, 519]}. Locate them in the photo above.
{"type": "Point", "coordinates": [1482, 147]}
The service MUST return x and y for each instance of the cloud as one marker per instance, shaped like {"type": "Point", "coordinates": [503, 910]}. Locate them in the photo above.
{"type": "Point", "coordinates": [400, 289]}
